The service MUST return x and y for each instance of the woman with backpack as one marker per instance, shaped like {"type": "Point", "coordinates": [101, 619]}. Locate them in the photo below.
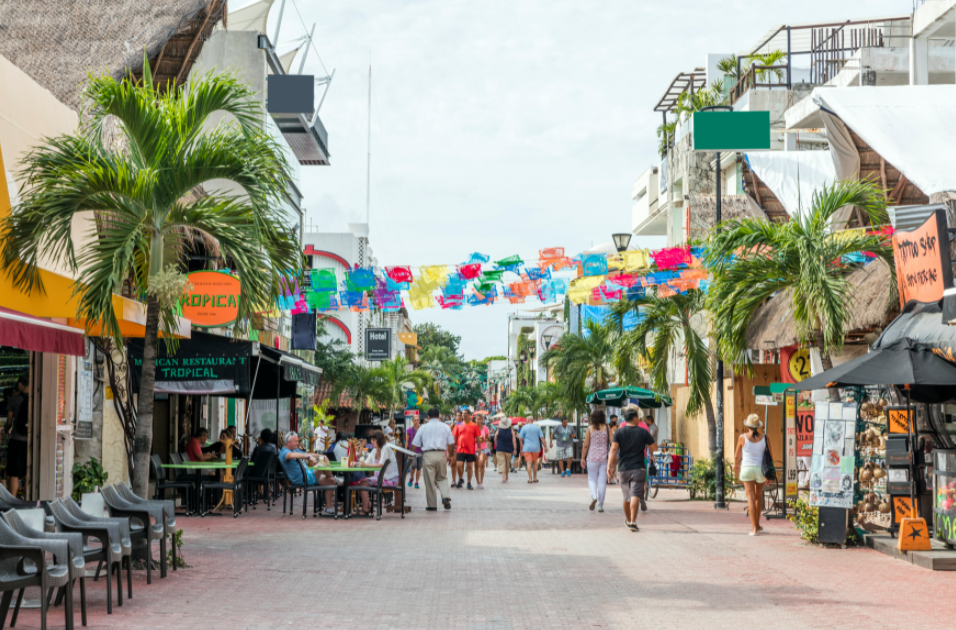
{"type": "Point", "coordinates": [748, 465]}
{"type": "Point", "coordinates": [597, 441]}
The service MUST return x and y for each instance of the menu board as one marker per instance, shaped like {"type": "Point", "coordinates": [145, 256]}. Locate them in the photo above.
{"type": "Point", "coordinates": [833, 459]}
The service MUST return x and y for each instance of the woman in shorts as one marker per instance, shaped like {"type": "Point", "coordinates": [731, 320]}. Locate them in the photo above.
{"type": "Point", "coordinates": [748, 465]}
{"type": "Point", "coordinates": [484, 449]}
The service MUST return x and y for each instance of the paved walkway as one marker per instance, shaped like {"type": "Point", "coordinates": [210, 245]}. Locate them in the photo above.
{"type": "Point", "coordinates": [523, 556]}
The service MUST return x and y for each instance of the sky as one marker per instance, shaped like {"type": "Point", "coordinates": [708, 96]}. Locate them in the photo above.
{"type": "Point", "coordinates": [505, 127]}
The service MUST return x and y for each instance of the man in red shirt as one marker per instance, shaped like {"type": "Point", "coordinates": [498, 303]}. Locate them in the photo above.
{"type": "Point", "coordinates": [194, 446]}
{"type": "Point", "coordinates": [466, 447]}
{"type": "Point", "coordinates": [455, 425]}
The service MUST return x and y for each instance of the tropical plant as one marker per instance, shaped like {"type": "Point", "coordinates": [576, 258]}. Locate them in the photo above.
{"type": "Point", "coordinates": [752, 259]}
{"type": "Point", "coordinates": [584, 363]}
{"type": "Point", "coordinates": [148, 200]}
{"type": "Point", "coordinates": [703, 479]}
{"type": "Point", "coordinates": [806, 520]}
{"type": "Point", "coordinates": [87, 477]}
{"type": "Point", "coordinates": [769, 59]}
{"type": "Point", "coordinates": [728, 65]}
{"type": "Point", "coordinates": [666, 326]}
{"type": "Point", "coordinates": [430, 334]}
{"type": "Point", "coordinates": [544, 399]}
{"type": "Point", "coordinates": [396, 374]}
{"type": "Point", "coordinates": [367, 387]}
{"type": "Point", "coordinates": [688, 103]}
{"type": "Point", "coordinates": [665, 136]}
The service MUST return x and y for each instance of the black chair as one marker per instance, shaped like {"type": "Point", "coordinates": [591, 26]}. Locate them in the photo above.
{"type": "Point", "coordinates": [110, 551]}
{"type": "Point", "coordinates": [400, 490]}
{"type": "Point", "coordinates": [162, 484]}
{"type": "Point", "coordinates": [378, 490]}
{"type": "Point", "coordinates": [306, 488]}
{"type": "Point", "coordinates": [124, 536]}
{"type": "Point", "coordinates": [77, 561]}
{"type": "Point", "coordinates": [262, 475]}
{"type": "Point", "coordinates": [169, 508]}
{"type": "Point", "coordinates": [141, 517]}
{"type": "Point", "coordinates": [236, 486]}
{"type": "Point", "coordinates": [23, 564]}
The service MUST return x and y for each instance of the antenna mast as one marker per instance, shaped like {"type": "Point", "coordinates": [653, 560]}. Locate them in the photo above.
{"type": "Point", "coordinates": [368, 163]}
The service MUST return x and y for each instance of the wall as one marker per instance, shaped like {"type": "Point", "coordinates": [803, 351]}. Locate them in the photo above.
{"type": "Point", "coordinates": [738, 404]}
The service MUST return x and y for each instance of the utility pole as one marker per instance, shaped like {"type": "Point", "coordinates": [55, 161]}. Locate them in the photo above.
{"type": "Point", "coordinates": [368, 162]}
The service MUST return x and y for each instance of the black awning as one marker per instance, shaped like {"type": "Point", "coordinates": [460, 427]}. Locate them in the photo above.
{"type": "Point", "coordinates": [204, 364]}
{"type": "Point", "coordinates": [922, 326]}
{"type": "Point", "coordinates": [293, 368]}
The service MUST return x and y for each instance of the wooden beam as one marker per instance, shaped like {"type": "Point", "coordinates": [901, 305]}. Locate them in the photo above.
{"type": "Point", "coordinates": [883, 173]}
{"type": "Point", "coordinates": [210, 9]}
{"type": "Point", "coordinates": [753, 180]}
{"type": "Point", "coordinates": [897, 193]}
{"type": "Point", "coordinates": [159, 60]}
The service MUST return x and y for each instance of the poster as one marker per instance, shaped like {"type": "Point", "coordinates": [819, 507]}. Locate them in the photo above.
{"type": "Point", "coordinates": [84, 395]}
{"type": "Point", "coordinates": [262, 415]}
{"type": "Point", "coordinates": [833, 460]}
{"type": "Point", "coordinates": [794, 364]}
{"type": "Point", "coordinates": [804, 422]}
{"type": "Point", "coordinates": [792, 464]}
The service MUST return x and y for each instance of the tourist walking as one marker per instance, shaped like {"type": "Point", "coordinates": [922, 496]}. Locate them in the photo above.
{"type": "Point", "coordinates": [438, 450]}
{"type": "Point", "coordinates": [629, 444]}
{"type": "Point", "coordinates": [748, 465]}
{"type": "Point", "coordinates": [612, 427]}
{"type": "Point", "coordinates": [467, 448]}
{"type": "Point", "coordinates": [532, 441]}
{"type": "Point", "coordinates": [565, 451]}
{"type": "Point", "coordinates": [455, 426]}
{"type": "Point", "coordinates": [505, 441]}
{"type": "Point", "coordinates": [416, 470]}
{"type": "Point", "coordinates": [594, 457]}
{"type": "Point", "coordinates": [484, 448]}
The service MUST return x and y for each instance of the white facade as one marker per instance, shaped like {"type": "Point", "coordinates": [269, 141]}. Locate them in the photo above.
{"type": "Point", "coordinates": [646, 216]}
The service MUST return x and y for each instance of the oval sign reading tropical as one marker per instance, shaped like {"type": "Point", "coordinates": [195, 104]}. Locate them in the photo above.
{"type": "Point", "coordinates": [213, 300]}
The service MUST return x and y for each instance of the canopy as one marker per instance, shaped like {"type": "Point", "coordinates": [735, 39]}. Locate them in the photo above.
{"type": "Point", "coordinates": [39, 335]}
{"type": "Point", "coordinates": [932, 379]}
{"type": "Point", "coordinates": [793, 176]}
{"type": "Point", "coordinates": [620, 396]}
{"type": "Point", "coordinates": [905, 124]}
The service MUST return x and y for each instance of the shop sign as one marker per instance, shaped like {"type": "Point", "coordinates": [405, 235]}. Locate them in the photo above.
{"type": "Point", "coordinates": [789, 414]}
{"type": "Point", "coordinates": [84, 395]}
{"type": "Point", "coordinates": [213, 299]}
{"type": "Point", "coordinates": [803, 426]}
{"type": "Point", "coordinates": [293, 372]}
{"type": "Point", "coordinates": [794, 364]}
{"type": "Point", "coordinates": [407, 338]}
{"type": "Point", "coordinates": [921, 255]}
{"type": "Point", "coordinates": [898, 420]}
{"type": "Point", "coordinates": [378, 344]}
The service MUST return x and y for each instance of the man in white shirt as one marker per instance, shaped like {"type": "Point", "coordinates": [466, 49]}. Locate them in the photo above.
{"type": "Point", "coordinates": [438, 450]}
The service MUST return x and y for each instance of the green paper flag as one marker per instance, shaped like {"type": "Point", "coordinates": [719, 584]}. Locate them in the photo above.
{"type": "Point", "coordinates": [510, 261]}
{"type": "Point", "coordinates": [492, 276]}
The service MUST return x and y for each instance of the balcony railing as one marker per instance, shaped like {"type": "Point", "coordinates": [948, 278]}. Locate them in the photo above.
{"type": "Point", "coordinates": [770, 77]}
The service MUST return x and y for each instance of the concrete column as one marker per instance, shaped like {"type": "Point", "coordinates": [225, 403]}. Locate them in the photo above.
{"type": "Point", "coordinates": [919, 61]}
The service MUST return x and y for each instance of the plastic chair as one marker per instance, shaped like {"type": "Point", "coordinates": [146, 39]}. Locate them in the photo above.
{"type": "Point", "coordinates": [263, 475]}
{"type": "Point", "coordinates": [77, 561]}
{"type": "Point", "coordinates": [306, 488]}
{"type": "Point", "coordinates": [7, 500]}
{"type": "Point", "coordinates": [159, 473]}
{"type": "Point", "coordinates": [114, 536]}
{"type": "Point", "coordinates": [145, 514]}
{"type": "Point", "coordinates": [235, 486]}
{"type": "Point", "coordinates": [23, 564]}
{"type": "Point", "coordinates": [378, 490]}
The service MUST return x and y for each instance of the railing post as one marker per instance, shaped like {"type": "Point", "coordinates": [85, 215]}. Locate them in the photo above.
{"type": "Point", "coordinates": [789, 64]}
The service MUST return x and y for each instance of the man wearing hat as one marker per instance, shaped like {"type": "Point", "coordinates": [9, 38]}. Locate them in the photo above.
{"type": "Point", "coordinates": [629, 443]}
{"type": "Point", "coordinates": [505, 441]}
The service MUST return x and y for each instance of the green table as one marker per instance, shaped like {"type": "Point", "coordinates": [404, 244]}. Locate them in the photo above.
{"type": "Point", "coordinates": [338, 468]}
{"type": "Point", "coordinates": [207, 465]}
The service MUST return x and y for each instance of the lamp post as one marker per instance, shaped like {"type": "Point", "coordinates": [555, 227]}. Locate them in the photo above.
{"type": "Point", "coordinates": [621, 240]}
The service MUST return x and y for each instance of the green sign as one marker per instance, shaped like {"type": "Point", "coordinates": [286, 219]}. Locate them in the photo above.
{"type": "Point", "coordinates": [730, 131]}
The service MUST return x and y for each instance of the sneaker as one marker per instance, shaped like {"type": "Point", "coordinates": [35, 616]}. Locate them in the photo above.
{"type": "Point", "coordinates": [461, 482]}
{"type": "Point", "coordinates": [632, 527]}
{"type": "Point", "coordinates": [600, 508]}
{"type": "Point", "coordinates": [416, 486]}
{"type": "Point", "coordinates": [643, 504]}
{"type": "Point", "coordinates": [409, 484]}
{"type": "Point", "coordinates": [480, 487]}
{"type": "Point", "coordinates": [469, 487]}
{"type": "Point", "coordinates": [446, 503]}
{"type": "Point", "coordinates": [593, 503]}
{"type": "Point", "coordinates": [329, 512]}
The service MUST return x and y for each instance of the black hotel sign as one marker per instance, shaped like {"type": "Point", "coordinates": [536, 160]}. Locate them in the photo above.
{"type": "Point", "coordinates": [378, 344]}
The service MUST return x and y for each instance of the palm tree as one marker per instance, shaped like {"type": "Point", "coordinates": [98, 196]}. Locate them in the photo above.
{"type": "Point", "coordinates": [395, 374]}
{"type": "Point", "coordinates": [147, 199]}
{"type": "Point", "coordinates": [367, 386]}
{"type": "Point", "coordinates": [666, 325]}
{"type": "Point", "coordinates": [728, 65]}
{"type": "Point", "coordinates": [752, 259]}
{"type": "Point", "coordinates": [769, 59]}
{"type": "Point", "coordinates": [584, 363]}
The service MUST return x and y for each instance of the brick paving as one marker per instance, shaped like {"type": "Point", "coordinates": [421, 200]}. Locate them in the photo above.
{"type": "Point", "coordinates": [522, 556]}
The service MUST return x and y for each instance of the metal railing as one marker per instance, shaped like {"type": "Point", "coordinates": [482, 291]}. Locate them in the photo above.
{"type": "Point", "coordinates": [761, 77]}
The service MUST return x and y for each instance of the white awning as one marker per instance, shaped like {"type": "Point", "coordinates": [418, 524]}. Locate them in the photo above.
{"type": "Point", "coordinates": [911, 126]}
{"type": "Point", "coordinates": [793, 176]}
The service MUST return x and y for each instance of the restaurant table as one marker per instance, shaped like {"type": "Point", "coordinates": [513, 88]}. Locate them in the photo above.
{"type": "Point", "coordinates": [336, 467]}
{"type": "Point", "coordinates": [212, 464]}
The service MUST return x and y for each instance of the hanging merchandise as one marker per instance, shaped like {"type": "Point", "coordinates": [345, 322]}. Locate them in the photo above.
{"type": "Point", "coordinates": [834, 458]}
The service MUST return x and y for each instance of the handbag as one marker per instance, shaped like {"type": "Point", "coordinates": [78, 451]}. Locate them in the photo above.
{"type": "Point", "coordinates": [651, 467]}
{"type": "Point", "coordinates": [767, 466]}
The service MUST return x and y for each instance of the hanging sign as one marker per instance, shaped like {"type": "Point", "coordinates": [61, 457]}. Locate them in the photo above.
{"type": "Point", "coordinates": [213, 300]}
{"type": "Point", "coordinates": [794, 364]}
{"type": "Point", "coordinates": [378, 344]}
{"type": "Point", "coordinates": [407, 338]}
{"type": "Point", "coordinates": [921, 255]}
{"type": "Point", "coordinates": [834, 457]}
{"type": "Point", "coordinates": [789, 415]}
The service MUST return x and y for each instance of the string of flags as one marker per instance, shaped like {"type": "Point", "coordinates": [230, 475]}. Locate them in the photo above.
{"type": "Point", "coordinates": [594, 279]}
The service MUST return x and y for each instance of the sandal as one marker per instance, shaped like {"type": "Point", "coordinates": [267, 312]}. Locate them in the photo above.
{"type": "Point", "coordinates": [529, 481]}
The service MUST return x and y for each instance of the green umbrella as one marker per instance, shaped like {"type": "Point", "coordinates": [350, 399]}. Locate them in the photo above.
{"type": "Point", "coordinates": [620, 396]}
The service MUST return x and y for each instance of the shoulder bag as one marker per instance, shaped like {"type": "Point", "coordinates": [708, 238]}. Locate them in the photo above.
{"type": "Point", "coordinates": [767, 467]}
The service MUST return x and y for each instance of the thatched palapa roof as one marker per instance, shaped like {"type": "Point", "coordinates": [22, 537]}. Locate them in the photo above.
{"type": "Point", "coordinates": [873, 305]}
{"type": "Point", "coordinates": [58, 43]}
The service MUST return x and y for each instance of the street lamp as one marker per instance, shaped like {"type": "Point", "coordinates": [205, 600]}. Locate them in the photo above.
{"type": "Point", "coordinates": [546, 339]}
{"type": "Point", "coordinates": [621, 240]}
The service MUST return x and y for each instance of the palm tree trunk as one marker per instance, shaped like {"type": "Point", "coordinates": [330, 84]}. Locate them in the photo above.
{"type": "Point", "coordinates": [827, 364]}
{"type": "Point", "coordinates": [711, 424]}
{"type": "Point", "coordinates": [143, 442]}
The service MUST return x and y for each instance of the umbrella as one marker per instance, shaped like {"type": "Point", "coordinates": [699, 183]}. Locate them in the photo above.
{"type": "Point", "coordinates": [932, 378]}
{"type": "Point", "coordinates": [620, 396]}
